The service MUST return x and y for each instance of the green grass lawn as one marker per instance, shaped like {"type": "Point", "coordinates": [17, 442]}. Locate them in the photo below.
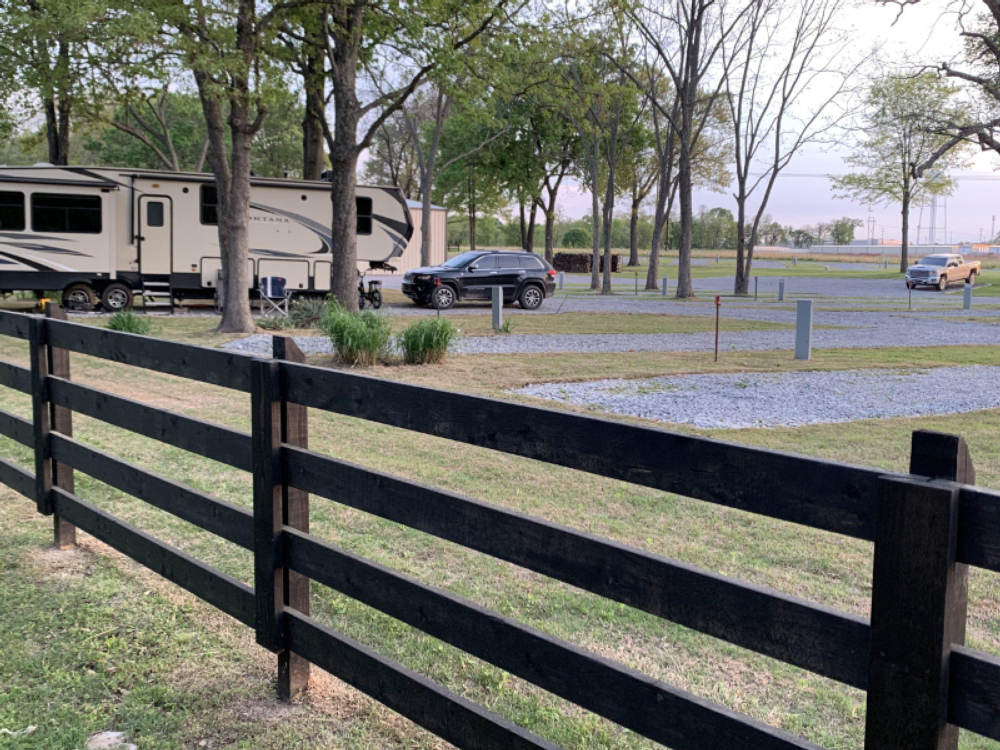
{"type": "Point", "coordinates": [93, 642]}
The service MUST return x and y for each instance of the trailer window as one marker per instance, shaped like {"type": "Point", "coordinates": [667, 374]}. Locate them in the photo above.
{"type": "Point", "coordinates": [11, 210]}
{"type": "Point", "coordinates": [209, 205]}
{"type": "Point", "coordinates": [154, 214]}
{"type": "Point", "coordinates": [71, 214]}
{"type": "Point", "coordinates": [364, 206]}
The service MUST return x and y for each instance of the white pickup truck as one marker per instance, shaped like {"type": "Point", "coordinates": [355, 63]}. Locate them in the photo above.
{"type": "Point", "coordinates": [941, 270]}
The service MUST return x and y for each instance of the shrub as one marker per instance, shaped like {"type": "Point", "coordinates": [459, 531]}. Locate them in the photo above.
{"type": "Point", "coordinates": [127, 321]}
{"type": "Point", "coordinates": [305, 312]}
{"type": "Point", "coordinates": [427, 341]}
{"type": "Point", "coordinates": [358, 338]}
{"type": "Point", "coordinates": [577, 237]}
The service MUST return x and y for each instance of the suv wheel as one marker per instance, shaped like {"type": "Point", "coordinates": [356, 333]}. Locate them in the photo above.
{"type": "Point", "coordinates": [443, 297]}
{"type": "Point", "coordinates": [942, 283]}
{"type": "Point", "coordinates": [531, 297]}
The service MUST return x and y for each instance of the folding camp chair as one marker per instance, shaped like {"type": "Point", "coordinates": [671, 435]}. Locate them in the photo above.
{"type": "Point", "coordinates": [273, 296]}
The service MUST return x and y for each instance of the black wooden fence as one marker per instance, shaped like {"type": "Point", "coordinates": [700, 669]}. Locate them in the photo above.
{"type": "Point", "coordinates": [922, 683]}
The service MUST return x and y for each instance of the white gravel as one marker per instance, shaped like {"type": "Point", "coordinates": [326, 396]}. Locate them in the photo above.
{"type": "Point", "coordinates": [260, 344]}
{"type": "Point", "coordinates": [788, 399]}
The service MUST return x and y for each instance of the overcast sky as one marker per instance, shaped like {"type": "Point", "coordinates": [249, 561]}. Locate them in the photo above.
{"type": "Point", "coordinates": [803, 195]}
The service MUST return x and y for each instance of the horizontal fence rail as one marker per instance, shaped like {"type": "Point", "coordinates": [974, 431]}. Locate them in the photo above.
{"type": "Point", "coordinates": [658, 711]}
{"type": "Point", "coordinates": [826, 495]}
{"type": "Point", "coordinates": [822, 640]}
{"type": "Point", "coordinates": [17, 378]}
{"type": "Point", "coordinates": [926, 582]}
{"type": "Point", "coordinates": [223, 519]}
{"type": "Point", "coordinates": [212, 366]}
{"type": "Point", "coordinates": [213, 441]}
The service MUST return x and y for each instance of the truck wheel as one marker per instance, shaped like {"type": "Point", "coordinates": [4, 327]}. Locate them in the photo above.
{"type": "Point", "coordinates": [942, 283]}
{"type": "Point", "coordinates": [78, 297]}
{"type": "Point", "coordinates": [972, 278]}
{"type": "Point", "coordinates": [117, 297]}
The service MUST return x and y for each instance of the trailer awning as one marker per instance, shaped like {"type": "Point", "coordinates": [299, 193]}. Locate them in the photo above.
{"type": "Point", "coordinates": [97, 184]}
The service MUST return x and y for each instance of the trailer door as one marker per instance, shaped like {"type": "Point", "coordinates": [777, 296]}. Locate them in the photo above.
{"type": "Point", "coordinates": [156, 235]}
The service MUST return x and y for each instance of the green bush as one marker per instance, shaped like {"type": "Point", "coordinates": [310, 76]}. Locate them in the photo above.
{"type": "Point", "coordinates": [427, 342]}
{"type": "Point", "coordinates": [127, 321]}
{"type": "Point", "coordinates": [306, 312]}
{"type": "Point", "coordinates": [358, 338]}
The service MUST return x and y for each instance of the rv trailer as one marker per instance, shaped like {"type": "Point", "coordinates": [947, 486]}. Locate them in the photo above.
{"type": "Point", "coordinates": [104, 234]}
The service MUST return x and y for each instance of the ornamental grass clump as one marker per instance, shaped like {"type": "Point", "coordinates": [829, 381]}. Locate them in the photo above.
{"type": "Point", "coordinates": [360, 339]}
{"type": "Point", "coordinates": [128, 322]}
{"type": "Point", "coordinates": [427, 342]}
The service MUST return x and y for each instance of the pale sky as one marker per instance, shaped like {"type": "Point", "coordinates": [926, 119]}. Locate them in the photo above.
{"type": "Point", "coordinates": [921, 34]}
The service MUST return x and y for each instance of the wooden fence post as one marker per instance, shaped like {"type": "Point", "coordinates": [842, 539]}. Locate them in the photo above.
{"type": "Point", "coordinates": [62, 422]}
{"type": "Point", "coordinates": [919, 599]}
{"type": "Point", "coordinates": [269, 579]}
{"type": "Point", "coordinates": [293, 670]}
{"type": "Point", "coordinates": [38, 351]}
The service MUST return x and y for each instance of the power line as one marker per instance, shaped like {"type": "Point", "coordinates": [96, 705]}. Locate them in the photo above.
{"type": "Point", "coordinates": [963, 178]}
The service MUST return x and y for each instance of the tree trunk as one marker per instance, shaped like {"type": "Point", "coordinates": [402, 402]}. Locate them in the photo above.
{"type": "Point", "coordinates": [904, 250]}
{"type": "Point", "coordinates": [524, 229]}
{"type": "Point", "coordinates": [472, 216]}
{"type": "Point", "coordinates": [684, 286]}
{"type": "Point", "coordinates": [313, 155]}
{"type": "Point", "coordinates": [660, 223]}
{"type": "Point", "coordinates": [633, 234]}
{"type": "Point", "coordinates": [550, 229]}
{"type": "Point", "coordinates": [607, 216]}
{"type": "Point", "coordinates": [236, 317]}
{"type": "Point", "coordinates": [344, 166]}
{"type": "Point", "coordinates": [595, 269]}
{"type": "Point", "coordinates": [532, 221]}
{"type": "Point", "coordinates": [741, 281]}
{"type": "Point", "coordinates": [233, 237]}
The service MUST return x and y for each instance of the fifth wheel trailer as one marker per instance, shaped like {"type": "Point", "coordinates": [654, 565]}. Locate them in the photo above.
{"type": "Point", "coordinates": [108, 233]}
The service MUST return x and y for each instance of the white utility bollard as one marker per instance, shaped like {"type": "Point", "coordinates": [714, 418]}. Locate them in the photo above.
{"type": "Point", "coordinates": [665, 284]}
{"type": "Point", "coordinates": [562, 275]}
{"type": "Point", "coordinates": [781, 290]}
{"type": "Point", "coordinates": [497, 308]}
{"type": "Point", "coordinates": [803, 329]}
{"type": "Point", "coordinates": [967, 302]}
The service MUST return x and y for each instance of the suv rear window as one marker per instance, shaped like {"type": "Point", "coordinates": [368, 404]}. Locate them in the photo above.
{"type": "Point", "coordinates": [509, 261]}
{"type": "Point", "coordinates": [530, 261]}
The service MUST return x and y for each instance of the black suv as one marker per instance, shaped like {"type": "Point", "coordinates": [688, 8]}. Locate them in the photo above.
{"type": "Point", "coordinates": [524, 277]}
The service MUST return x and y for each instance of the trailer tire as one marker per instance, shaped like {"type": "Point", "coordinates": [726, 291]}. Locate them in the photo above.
{"type": "Point", "coordinates": [79, 296]}
{"type": "Point", "coordinates": [117, 297]}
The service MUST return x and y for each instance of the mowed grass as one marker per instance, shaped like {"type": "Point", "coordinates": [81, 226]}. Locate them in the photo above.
{"type": "Point", "coordinates": [199, 678]}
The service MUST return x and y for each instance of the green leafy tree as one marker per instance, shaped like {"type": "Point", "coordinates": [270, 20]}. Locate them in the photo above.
{"type": "Point", "coordinates": [576, 237]}
{"type": "Point", "coordinates": [901, 130]}
{"type": "Point", "coordinates": [842, 230]}
{"type": "Point", "coordinates": [43, 48]}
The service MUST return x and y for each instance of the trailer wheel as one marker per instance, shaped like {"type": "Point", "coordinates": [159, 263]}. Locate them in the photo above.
{"type": "Point", "coordinates": [79, 296]}
{"type": "Point", "coordinates": [117, 297]}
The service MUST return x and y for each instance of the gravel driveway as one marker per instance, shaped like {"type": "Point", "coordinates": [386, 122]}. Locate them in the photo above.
{"type": "Point", "coordinates": [788, 399]}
